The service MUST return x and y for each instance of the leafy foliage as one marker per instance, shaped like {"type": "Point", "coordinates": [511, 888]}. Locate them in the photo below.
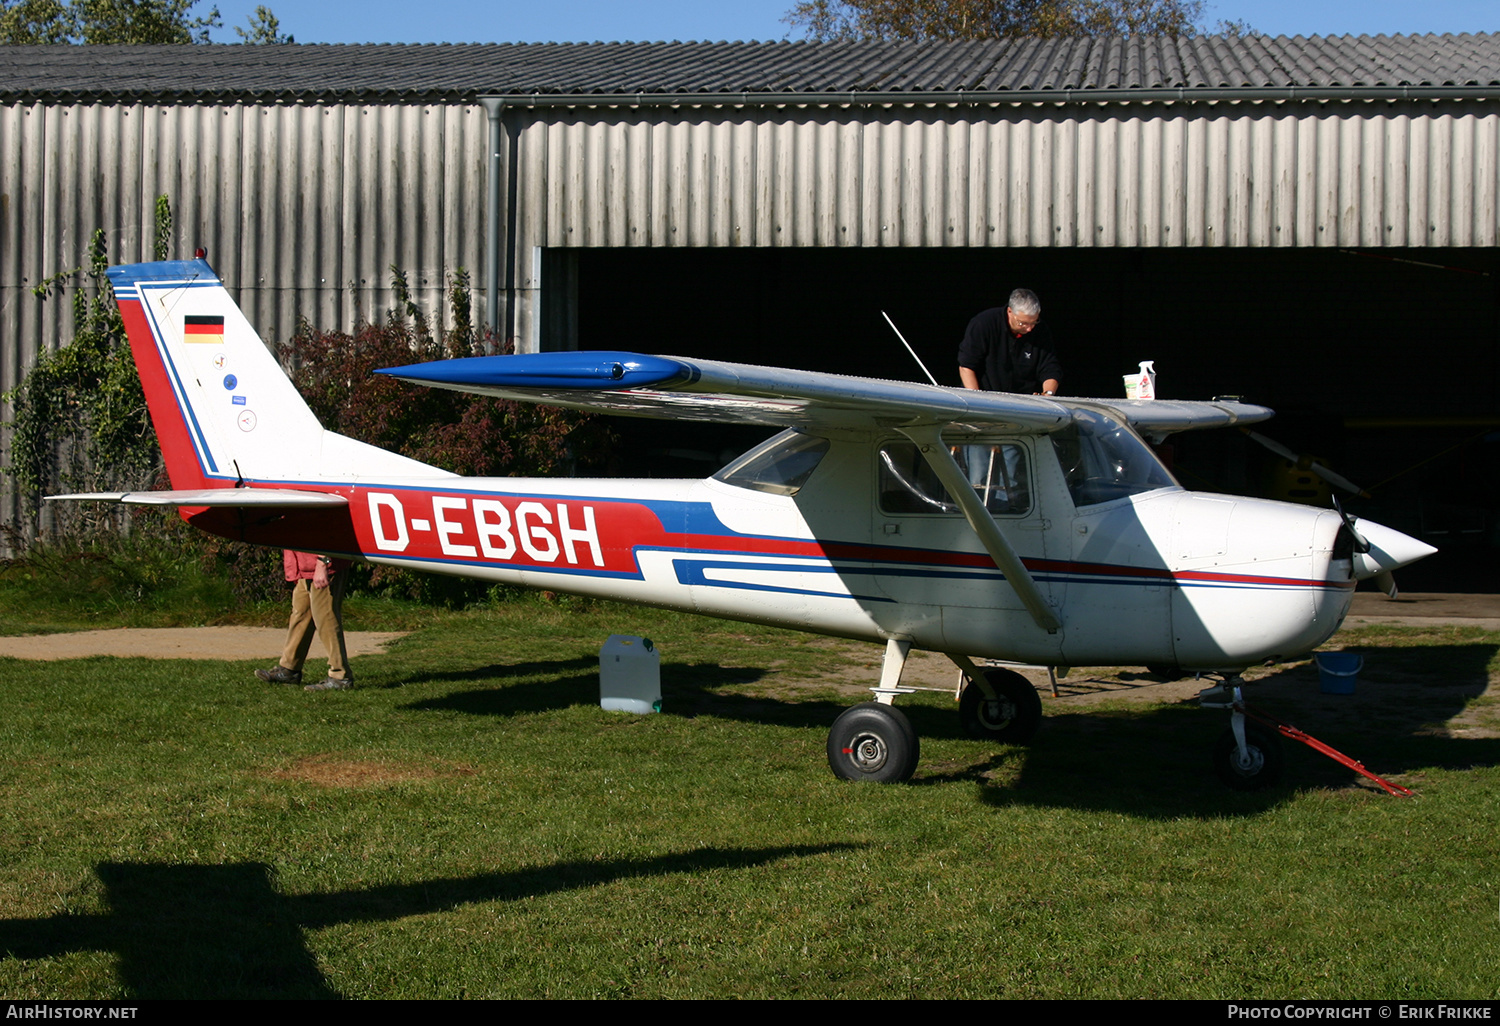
{"type": "Point", "coordinates": [80, 416]}
{"type": "Point", "coordinates": [161, 238]}
{"type": "Point", "coordinates": [264, 28]}
{"type": "Point", "coordinates": [472, 435]}
{"type": "Point", "coordinates": [991, 19]}
{"type": "Point", "coordinates": [32, 22]}
{"type": "Point", "coordinates": [163, 573]}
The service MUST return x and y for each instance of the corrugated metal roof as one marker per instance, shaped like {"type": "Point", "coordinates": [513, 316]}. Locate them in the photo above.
{"type": "Point", "coordinates": [1105, 67]}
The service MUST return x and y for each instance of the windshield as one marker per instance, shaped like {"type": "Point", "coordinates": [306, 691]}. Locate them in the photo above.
{"type": "Point", "coordinates": [1102, 459]}
{"type": "Point", "coordinates": [780, 465]}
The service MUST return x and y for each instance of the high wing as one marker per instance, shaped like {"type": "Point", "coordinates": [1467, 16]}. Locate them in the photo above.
{"type": "Point", "coordinates": [710, 390]}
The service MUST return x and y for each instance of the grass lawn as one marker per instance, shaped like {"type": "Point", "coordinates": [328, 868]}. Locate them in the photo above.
{"type": "Point", "coordinates": [468, 823]}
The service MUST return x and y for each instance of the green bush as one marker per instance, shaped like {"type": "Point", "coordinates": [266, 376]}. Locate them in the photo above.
{"type": "Point", "coordinates": [472, 435]}
{"type": "Point", "coordinates": [79, 417]}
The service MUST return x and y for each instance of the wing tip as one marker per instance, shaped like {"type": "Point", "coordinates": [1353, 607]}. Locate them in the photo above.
{"type": "Point", "coordinates": [581, 370]}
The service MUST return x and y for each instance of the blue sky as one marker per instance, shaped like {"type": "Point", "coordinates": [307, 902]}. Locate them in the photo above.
{"type": "Point", "coordinates": [491, 21]}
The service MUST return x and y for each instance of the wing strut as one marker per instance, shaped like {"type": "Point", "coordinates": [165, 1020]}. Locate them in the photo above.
{"type": "Point", "coordinates": [929, 439]}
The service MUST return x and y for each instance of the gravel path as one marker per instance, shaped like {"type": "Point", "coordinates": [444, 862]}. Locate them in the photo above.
{"type": "Point", "coordinates": [229, 643]}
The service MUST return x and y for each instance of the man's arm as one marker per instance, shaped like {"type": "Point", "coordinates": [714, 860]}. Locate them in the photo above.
{"type": "Point", "coordinates": [1049, 368]}
{"type": "Point", "coordinates": [968, 377]}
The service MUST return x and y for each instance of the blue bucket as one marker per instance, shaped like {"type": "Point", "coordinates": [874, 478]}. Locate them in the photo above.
{"type": "Point", "coordinates": [1338, 672]}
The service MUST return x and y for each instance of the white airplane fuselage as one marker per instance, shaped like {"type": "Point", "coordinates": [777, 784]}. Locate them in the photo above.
{"type": "Point", "coordinates": [1166, 577]}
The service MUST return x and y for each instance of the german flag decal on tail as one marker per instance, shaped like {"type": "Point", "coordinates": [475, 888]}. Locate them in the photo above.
{"type": "Point", "coordinates": [200, 328]}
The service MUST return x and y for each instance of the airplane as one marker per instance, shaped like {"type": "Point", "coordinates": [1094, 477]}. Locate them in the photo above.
{"type": "Point", "coordinates": [985, 526]}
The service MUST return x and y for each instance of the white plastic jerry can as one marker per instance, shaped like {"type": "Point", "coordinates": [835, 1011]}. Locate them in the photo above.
{"type": "Point", "coordinates": [629, 675]}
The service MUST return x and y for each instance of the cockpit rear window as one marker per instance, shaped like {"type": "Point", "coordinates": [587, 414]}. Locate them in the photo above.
{"type": "Point", "coordinates": [997, 470]}
{"type": "Point", "coordinates": [780, 466]}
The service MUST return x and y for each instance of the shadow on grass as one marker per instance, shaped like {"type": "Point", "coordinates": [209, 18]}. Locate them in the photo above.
{"type": "Point", "coordinates": [1155, 760]}
{"type": "Point", "coordinates": [1142, 759]}
{"type": "Point", "coordinates": [188, 931]}
{"type": "Point", "coordinates": [687, 689]}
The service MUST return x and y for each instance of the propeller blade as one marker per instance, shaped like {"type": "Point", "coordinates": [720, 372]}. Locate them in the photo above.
{"type": "Point", "coordinates": [1361, 545]}
{"type": "Point", "coordinates": [1337, 480]}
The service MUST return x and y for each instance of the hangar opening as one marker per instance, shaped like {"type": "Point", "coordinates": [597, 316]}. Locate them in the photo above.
{"type": "Point", "coordinates": [1383, 365]}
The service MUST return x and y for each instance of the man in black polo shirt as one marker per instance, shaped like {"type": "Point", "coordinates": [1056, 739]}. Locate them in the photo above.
{"type": "Point", "coordinates": [1005, 351]}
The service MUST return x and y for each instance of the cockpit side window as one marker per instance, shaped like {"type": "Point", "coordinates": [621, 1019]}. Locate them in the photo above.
{"type": "Point", "coordinates": [780, 465]}
{"type": "Point", "coordinates": [1102, 459]}
{"type": "Point", "coordinates": [997, 470]}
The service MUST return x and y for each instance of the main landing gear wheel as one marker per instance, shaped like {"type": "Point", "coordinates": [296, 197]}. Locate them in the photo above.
{"type": "Point", "coordinates": [873, 742]}
{"type": "Point", "coordinates": [1262, 767]}
{"type": "Point", "coordinates": [1012, 716]}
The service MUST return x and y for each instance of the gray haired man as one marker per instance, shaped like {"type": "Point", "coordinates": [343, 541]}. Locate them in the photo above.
{"type": "Point", "coordinates": [1005, 350]}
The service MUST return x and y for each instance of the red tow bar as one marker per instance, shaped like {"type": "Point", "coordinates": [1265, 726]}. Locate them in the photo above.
{"type": "Point", "coordinates": [1287, 730]}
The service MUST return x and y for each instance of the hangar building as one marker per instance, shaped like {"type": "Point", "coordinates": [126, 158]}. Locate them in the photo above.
{"type": "Point", "coordinates": [1309, 223]}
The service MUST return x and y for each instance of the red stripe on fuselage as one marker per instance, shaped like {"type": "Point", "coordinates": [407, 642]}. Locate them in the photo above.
{"type": "Point", "coordinates": [596, 535]}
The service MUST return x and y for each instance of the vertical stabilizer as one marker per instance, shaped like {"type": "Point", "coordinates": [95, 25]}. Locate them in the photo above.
{"type": "Point", "coordinates": [223, 409]}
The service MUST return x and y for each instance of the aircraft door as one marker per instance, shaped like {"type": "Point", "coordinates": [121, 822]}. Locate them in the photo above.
{"type": "Point", "coordinates": [929, 555]}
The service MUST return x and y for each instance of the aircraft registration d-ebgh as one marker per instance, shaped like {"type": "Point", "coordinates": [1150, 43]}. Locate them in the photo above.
{"type": "Point", "coordinates": [976, 524]}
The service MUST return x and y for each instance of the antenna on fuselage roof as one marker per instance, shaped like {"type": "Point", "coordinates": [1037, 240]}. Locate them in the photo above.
{"type": "Point", "coordinates": [909, 349]}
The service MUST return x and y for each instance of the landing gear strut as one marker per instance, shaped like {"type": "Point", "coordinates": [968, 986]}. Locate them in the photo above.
{"type": "Point", "coordinates": [1251, 766]}
{"type": "Point", "coordinates": [1247, 757]}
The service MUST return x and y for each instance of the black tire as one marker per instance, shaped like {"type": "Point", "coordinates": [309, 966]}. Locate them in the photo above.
{"type": "Point", "coordinates": [873, 742]}
{"type": "Point", "coordinates": [1013, 716]}
{"type": "Point", "coordinates": [1264, 749]}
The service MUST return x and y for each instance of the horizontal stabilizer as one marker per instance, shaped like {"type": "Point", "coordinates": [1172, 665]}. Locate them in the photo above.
{"type": "Point", "coordinates": [673, 387]}
{"type": "Point", "coordinates": [225, 497]}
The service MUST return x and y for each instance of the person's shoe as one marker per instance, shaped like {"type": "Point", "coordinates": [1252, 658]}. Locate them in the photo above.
{"type": "Point", "coordinates": [329, 685]}
{"type": "Point", "coordinates": [279, 674]}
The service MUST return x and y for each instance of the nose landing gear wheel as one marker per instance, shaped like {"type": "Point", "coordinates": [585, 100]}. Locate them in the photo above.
{"type": "Point", "coordinates": [1012, 716]}
{"type": "Point", "coordinates": [873, 742]}
{"type": "Point", "coordinates": [1262, 765]}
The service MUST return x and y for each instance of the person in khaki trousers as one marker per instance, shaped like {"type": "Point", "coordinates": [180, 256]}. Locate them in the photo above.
{"type": "Point", "coordinates": [317, 607]}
